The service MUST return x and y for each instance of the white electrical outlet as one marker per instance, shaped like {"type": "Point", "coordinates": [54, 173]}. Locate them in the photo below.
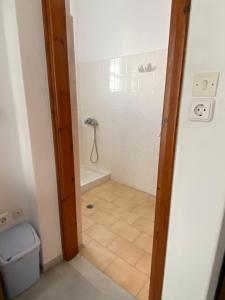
{"type": "Point", "coordinates": [4, 219]}
{"type": "Point", "coordinates": [205, 84]}
{"type": "Point", "coordinates": [17, 213]}
{"type": "Point", "coordinates": [202, 110]}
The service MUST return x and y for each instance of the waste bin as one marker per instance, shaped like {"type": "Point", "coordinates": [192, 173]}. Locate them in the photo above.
{"type": "Point", "coordinates": [19, 259]}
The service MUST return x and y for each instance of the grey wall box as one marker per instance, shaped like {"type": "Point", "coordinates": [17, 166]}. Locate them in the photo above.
{"type": "Point", "coordinates": [19, 259]}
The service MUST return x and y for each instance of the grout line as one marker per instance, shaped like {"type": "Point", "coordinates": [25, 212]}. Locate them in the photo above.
{"type": "Point", "coordinates": [118, 282]}
{"type": "Point", "coordinates": [97, 197]}
{"type": "Point", "coordinates": [109, 229]}
{"type": "Point", "coordinates": [117, 256]}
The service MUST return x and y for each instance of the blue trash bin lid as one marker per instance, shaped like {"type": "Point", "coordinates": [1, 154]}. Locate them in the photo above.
{"type": "Point", "coordinates": [17, 241]}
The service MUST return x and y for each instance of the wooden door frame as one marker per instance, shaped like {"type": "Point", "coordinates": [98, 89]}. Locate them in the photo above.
{"type": "Point", "coordinates": [54, 17]}
{"type": "Point", "coordinates": [174, 77]}
{"type": "Point", "coordinates": [55, 29]}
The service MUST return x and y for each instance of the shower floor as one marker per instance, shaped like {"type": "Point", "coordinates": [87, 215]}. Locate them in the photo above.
{"type": "Point", "coordinates": [118, 234]}
{"type": "Point", "coordinates": [92, 178]}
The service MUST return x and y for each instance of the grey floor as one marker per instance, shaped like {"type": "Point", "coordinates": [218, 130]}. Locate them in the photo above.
{"type": "Point", "coordinates": [76, 280]}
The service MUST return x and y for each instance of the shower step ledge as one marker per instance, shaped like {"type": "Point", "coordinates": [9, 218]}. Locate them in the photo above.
{"type": "Point", "coordinates": [102, 178]}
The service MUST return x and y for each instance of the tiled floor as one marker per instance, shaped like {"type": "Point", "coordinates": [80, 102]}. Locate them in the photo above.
{"type": "Point", "coordinates": [118, 234]}
{"type": "Point", "coordinates": [76, 280]}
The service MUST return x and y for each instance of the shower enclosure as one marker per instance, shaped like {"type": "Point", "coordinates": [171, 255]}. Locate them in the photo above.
{"type": "Point", "coordinates": [124, 97]}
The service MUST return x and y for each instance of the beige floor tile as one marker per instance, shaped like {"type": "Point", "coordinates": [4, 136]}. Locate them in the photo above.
{"type": "Point", "coordinates": [90, 197]}
{"type": "Point", "coordinates": [125, 215]}
{"type": "Point", "coordinates": [144, 224]}
{"type": "Point", "coordinates": [100, 187]}
{"type": "Point", "coordinates": [126, 193]}
{"type": "Point", "coordinates": [103, 218]}
{"type": "Point", "coordinates": [126, 276]}
{"type": "Point", "coordinates": [108, 195]}
{"type": "Point", "coordinates": [86, 238]}
{"type": "Point", "coordinates": [125, 230]}
{"type": "Point", "coordinates": [144, 264]}
{"type": "Point", "coordinates": [126, 250]}
{"type": "Point", "coordinates": [92, 192]}
{"type": "Point", "coordinates": [142, 196]}
{"type": "Point", "coordinates": [98, 255]}
{"type": "Point", "coordinates": [145, 242]}
{"type": "Point", "coordinates": [112, 185]}
{"type": "Point", "coordinates": [88, 200]}
{"type": "Point", "coordinates": [145, 210]}
{"type": "Point", "coordinates": [142, 202]}
{"type": "Point", "coordinates": [101, 234]}
{"type": "Point", "coordinates": [86, 223]}
{"type": "Point", "coordinates": [124, 203]}
{"type": "Point", "coordinates": [143, 294]}
{"type": "Point", "coordinates": [105, 206]}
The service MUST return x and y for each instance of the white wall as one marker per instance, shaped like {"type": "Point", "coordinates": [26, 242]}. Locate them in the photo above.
{"type": "Point", "coordinates": [106, 29]}
{"type": "Point", "coordinates": [13, 193]}
{"type": "Point", "coordinates": [29, 85]}
{"type": "Point", "coordinates": [198, 197]}
{"type": "Point", "coordinates": [33, 58]}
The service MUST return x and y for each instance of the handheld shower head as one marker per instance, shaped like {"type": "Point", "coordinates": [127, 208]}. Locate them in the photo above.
{"type": "Point", "coordinates": [94, 123]}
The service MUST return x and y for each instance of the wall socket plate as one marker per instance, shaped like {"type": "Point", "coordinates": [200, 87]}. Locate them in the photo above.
{"type": "Point", "coordinates": [205, 84]}
{"type": "Point", "coordinates": [202, 110]}
{"type": "Point", "coordinates": [4, 219]}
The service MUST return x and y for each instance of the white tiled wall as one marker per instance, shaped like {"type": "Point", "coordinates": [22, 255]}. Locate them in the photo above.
{"type": "Point", "coordinates": [128, 106]}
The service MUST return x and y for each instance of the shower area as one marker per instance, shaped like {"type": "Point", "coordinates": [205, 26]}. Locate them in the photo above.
{"type": "Point", "coordinates": [121, 57]}
{"type": "Point", "coordinates": [119, 128]}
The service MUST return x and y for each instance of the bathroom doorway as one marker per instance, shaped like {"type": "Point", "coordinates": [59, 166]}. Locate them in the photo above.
{"type": "Point", "coordinates": [120, 81]}
{"type": "Point", "coordinates": [118, 193]}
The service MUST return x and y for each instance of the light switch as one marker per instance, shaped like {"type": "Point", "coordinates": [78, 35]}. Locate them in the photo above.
{"type": "Point", "coordinates": [205, 84]}
{"type": "Point", "coordinates": [202, 110]}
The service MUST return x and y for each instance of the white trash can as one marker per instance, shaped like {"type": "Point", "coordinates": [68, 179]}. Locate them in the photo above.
{"type": "Point", "coordinates": [19, 259]}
